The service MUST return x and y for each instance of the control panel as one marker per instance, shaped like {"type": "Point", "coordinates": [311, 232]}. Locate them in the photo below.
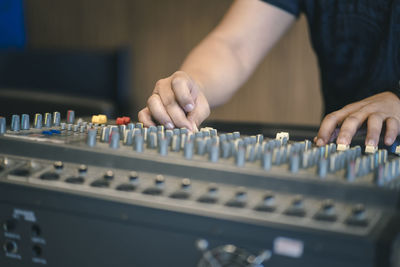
{"type": "Point", "coordinates": [100, 192]}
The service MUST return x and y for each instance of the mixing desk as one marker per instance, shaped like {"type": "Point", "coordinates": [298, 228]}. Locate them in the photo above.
{"type": "Point", "coordinates": [94, 192]}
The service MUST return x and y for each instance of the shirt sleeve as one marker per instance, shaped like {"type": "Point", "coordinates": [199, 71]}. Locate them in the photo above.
{"type": "Point", "coordinates": [396, 90]}
{"type": "Point", "coordinates": [291, 6]}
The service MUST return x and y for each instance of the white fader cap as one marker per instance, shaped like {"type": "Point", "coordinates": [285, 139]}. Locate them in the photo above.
{"type": "Point", "coordinates": [282, 135]}
{"type": "Point", "coordinates": [342, 147]}
{"type": "Point", "coordinates": [371, 149]}
{"type": "Point", "coordinates": [397, 150]}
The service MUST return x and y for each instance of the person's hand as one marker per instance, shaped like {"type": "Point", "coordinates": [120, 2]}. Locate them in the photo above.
{"type": "Point", "coordinates": [177, 101]}
{"type": "Point", "coordinates": [377, 109]}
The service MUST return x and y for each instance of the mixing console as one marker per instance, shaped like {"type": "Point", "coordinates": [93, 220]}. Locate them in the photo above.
{"type": "Point", "coordinates": [95, 192]}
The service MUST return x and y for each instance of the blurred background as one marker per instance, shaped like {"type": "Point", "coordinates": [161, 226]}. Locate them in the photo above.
{"type": "Point", "coordinates": [105, 56]}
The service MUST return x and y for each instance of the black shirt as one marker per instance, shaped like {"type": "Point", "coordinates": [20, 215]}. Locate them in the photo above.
{"type": "Point", "coordinates": [357, 43]}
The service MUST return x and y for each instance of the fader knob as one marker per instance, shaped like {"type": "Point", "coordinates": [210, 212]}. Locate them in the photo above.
{"type": "Point", "coordinates": [266, 160]}
{"type": "Point", "coordinates": [138, 143]}
{"type": "Point", "coordinates": [133, 176]}
{"type": "Point", "coordinates": [58, 165]}
{"type": "Point", "coordinates": [184, 191]}
{"type": "Point", "coordinates": [358, 211]}
{"type": "Point", "coordinates": [186, 183]}
{"type": "Point", "coordinates": [169, 134]}
{"type": "Point", "coordinates": [56, 118]}
{"type": "Point", "coordinates": [351, 171]}
{"type": "Point", "coordinates": [176, 143]}
{"type": "Point", "coordinates": [160, 180]}
{"type": "Point", "coordinates": [109, 175]}
{"type": "Point", "coordinates": [297, 207]}
{"type": "Point", "coordinates": [379, 175]}
{"type": "Point", "coordinates": [214, 153]}
{"type": "Point", "coordinates": [2, 125]}
{"type": "Point", "coordinates": [158, 187]}
{"type": "Point", "coordinates": [327, 211]}
{"type": "Point", "coordinates": [70, 116]}
{"type": "Point", "coordinates": [82, 169]}
{"type": "Point", "coordinates": [268, 203]}
{"type": "Point", "coordinates": [211, 196]}
{"type": "Point", "coordinates": [69, 127]}
{"type": "Point", "coordinates": [201, 146]}
{"type": "Point", "coordinates": [358, 216]}
{"type": "Point", "coordinates": [328, 206]}
{"type": "Point", "coordinates": [37, 124]}
{"type": "Point", "coordinates": [152, 139]}
{"type": "Point", "coordinates": [114, 143]}
{"type": "Point", "coordinates": [294, 163]}
{"type": "Point", "coordinates": [225, 149]}
{"type": "Point", "coordinates": [15, 123]}
{"type": "Point", "coordinates": [212, 189]}
{"type": "Point", "coordinates": [188, 149]}
{"type": "Point", "coordinates": [25, 125]}
{"type": "Point", "coordinates": [322, 168]}
{"type": "Point", "coordinates": [240, 156]}
{"type": "Point", "coordinates": [47, 120]}
{"type": "Point", "coordinates": [105, 134]}
{"type": "Point", "coordinates": [297, 202]}
{"type": "Point", "coordinates": [163, 147]}
{"type": "Point", "coordinates": [121, 129]}
{"type": "Point", "coordinates": [128, 137]}
{"type": "Point", "coordinates": [91, 137]}
{"type": "Point", "coordinates": [269, 199]}
{"type": "Point", "coordinates": [241, 194]}
{"type": "Point", "coordinates": [239, 200]}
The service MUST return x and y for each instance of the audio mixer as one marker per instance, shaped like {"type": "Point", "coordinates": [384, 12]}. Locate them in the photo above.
{"type": "Point", "coordinates": [100, 192]}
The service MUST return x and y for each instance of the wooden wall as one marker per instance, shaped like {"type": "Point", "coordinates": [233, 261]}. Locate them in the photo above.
{"type": "Point", "coordinates": [284, 89]}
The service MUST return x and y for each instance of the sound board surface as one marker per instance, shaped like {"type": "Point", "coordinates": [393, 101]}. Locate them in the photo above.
{"type": "Point", "coordinates": [95, 192]}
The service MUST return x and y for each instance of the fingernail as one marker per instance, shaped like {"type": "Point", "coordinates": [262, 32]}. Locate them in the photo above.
{"type": "Point", "coordinates": [342, 141]}
{"type": "Point", "coordinates": [169, 125]}
{"type": "Point", "coordinates": [189, 107]}
{"type": "Point", "coordinates": [371, 143]}
{"type": "Point", "coordinates": [320, 142]}
{"type": "Point", "coordinates": [389, 140]}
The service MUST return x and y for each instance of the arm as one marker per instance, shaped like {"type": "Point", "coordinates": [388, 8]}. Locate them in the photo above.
{"type": "Point", "coordinates": [218, 66]}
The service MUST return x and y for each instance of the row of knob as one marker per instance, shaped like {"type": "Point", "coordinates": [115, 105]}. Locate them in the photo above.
{"type": "Point", "coordinates": [23, 122]}
{"type": "Point", "coordinates": [298, 155]}
{"type": "Point", "coordinates": [203, 142]}
{"type": "Point", "coordinates": [297, 207]}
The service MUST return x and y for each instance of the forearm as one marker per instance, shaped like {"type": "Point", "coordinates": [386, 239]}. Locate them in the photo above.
{"type": "Point", "coordinates": [217, 68]}
{"type": "Point", "coordinates": [224, 60]}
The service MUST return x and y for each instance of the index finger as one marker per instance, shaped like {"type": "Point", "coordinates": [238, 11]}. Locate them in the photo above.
{"type": "Point", "coordinates": [333, 119]}
{"type": "Point", "coordinates": [185, 91]}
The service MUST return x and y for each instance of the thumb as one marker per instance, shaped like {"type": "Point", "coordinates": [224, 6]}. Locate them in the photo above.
{"type": "Point", "coordinates": [200, 112]}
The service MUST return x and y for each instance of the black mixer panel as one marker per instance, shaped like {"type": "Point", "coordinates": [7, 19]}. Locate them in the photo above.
{"type": "Point", "coordinates": [92, 192]}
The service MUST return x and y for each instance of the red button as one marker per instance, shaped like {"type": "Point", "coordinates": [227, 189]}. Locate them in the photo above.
{"type": "Point", "coordinates": [120, 121]}
{"type": "Point", "coordinates": [123, 120]}
{"type": "Point", "coordinates": [126, 120]}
